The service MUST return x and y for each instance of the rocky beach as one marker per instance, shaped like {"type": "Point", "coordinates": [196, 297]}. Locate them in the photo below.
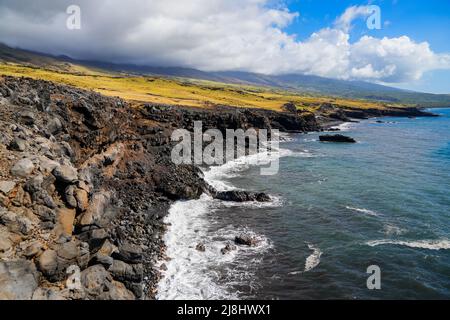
{"type": "Point", "coordinates": [86, 181]}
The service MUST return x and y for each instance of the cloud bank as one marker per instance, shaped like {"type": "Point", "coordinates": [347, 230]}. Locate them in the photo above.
{"type": "Point", "coordinates": [213, 35]}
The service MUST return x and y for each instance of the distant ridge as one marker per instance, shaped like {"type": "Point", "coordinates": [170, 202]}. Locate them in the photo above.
{"type": "Point", "coordinates": [295, 82]}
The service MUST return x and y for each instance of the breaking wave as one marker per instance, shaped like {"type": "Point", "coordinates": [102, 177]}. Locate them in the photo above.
{"type": "Point", "coordinates": [443, 244]}
{"type": "Point", "coordinates": [192, 274]}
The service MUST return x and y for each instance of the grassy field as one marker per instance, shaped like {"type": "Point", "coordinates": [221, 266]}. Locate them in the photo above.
{"type": "Point", "coordinates": [195, 93]}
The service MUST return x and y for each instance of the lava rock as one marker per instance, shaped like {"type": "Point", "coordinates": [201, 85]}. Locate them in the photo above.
{"type": "Point", "coordinates": [129, 253]}
{"type": "Point", "coordinates": [200, 247]}
{"type": "Point", "coordinates": [337, 138]}
{"type": "Point", "coordinates": [228, 248]}
{"type": "Point", "coordinates": [241, 196]}
{"type": "Point", "coordinates": [246, 240]}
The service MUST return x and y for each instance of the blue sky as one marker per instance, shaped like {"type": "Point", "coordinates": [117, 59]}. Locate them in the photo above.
{"type": "Point", "coordinates": [420, 20]}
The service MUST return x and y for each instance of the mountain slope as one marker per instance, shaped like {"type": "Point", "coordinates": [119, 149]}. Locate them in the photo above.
{"type": "Point", "coordinates": [293, 82]}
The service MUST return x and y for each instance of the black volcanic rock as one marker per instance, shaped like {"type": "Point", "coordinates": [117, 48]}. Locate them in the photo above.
{"type": "Point", "coordinates": [337, 138]}
{"type": "Point", "coordinates": [242, 196]}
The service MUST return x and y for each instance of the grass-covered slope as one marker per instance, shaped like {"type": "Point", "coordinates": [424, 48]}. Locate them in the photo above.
{"type": "Point", "coordinates": [179, 92]}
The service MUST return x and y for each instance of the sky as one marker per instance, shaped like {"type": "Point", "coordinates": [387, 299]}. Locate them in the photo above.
{"type": "Point", "coordinates": [410, 48]}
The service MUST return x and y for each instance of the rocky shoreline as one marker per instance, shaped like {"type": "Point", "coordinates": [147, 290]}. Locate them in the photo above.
{"type": "Point", "coordinates": [86, 180]}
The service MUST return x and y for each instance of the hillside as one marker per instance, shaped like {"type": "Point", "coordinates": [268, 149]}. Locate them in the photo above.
{"type": "Point", "coordinates": [166, 90]}
{"type": "Point", "coordinates": [294, 84]}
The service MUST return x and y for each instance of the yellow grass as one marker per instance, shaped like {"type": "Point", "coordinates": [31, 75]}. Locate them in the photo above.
{"type": "Point", "coordinates": [178, 91]}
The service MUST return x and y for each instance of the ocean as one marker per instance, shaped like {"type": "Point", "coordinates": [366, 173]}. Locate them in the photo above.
{"type": "Point", "coordinates": [337, 209]}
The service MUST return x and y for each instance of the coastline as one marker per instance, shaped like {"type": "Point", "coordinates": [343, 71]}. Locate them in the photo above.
{"type": "Point", "coordinates": [213, 290]}
{"type": "Point", "coordinates": [87, 180]}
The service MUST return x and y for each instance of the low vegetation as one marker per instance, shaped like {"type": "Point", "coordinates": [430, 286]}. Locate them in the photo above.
{"type": "Point", "coordinates": [195, 93]}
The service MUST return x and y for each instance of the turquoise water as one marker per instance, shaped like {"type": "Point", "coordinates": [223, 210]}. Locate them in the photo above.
{"type": "Point", "coordinates": [384, 201]}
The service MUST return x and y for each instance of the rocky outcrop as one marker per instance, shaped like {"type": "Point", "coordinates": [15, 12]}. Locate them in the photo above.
{"type": "Point", "coordinates": [241, 196]}
{"type": "Point", "coordinates": [328, 112]}
{"type": "Point", "coordinates": [246, 240]}
{"type": "Point", "coordinates": [85, 182]}
{"type": "Point", "coordinates": [223, 117]}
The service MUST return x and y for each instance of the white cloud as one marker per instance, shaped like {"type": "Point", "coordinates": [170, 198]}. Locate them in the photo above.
{"type": "Point", "coordinates": [344, 22]}
{"type": "Point", "coordinates": [213, 35]}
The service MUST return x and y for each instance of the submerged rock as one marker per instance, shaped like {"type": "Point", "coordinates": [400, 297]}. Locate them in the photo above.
{"type": "Point", "coordinates": [200, 247]}
{"type": "Point", "coordinates": [337, 138]}
{"type": "Point", "coordinates": [246, 240]}
{"type": "Point", "coordinates": [228, 248]}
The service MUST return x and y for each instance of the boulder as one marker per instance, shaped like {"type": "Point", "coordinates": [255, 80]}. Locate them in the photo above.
{"type": "Point", "coordinates": [103, 253]}
{"type": "Point", "coordinates": [70, 197]}
{"type": "Point", "coordinates": [18, 145]}
{"type": "Point", "coordinates": [82, 199]}
{"type": "Point", "coordinates": [228, 248]}
{"type": "Point", "coordinates": [54, 262]}
{"type": "Point", "coordinates": [96, 208]}
{"type": "Point", "coordinates": [18, 280]}
{"type": "Point", "coordinates": [118, 291]}
{"type": "Point", "coordinates": [46, 165]}
{"type": "Point", "coordinates": [66, 174]}
{"type": "Point", "coordinates": [96, 281]}
{"type": "Point", "coordinates": [64, 222]}
{"type": "Point", "coordinates": [7, 186]}
{"type": "Point", "coordinates": [200, 247]}
{"type": "Point", "coordinates": [337, 138]}
{"type": "Point", "coordinates": [23, 168]}
{"type": "Point", "coordinates": [54, 126]}
{"type": "Point", "coordinates": [16, 223]}
{"type": "Point", "coordinates": [48, 263]}
{"type": "Point", "coordinates": [129, 253]}
{"type": "Point", "coordinates": [5, 240]}
{"type": "Point", "coordinates": [36, 187]}
{"type": "Point", "coordinates": [33, 249]}
{"type": "Point", "coordinates": [246, 240]}
{"type": "Point", "coordinates": [125, 272]}
{"type": "Point", "coordinates": [28, 118]}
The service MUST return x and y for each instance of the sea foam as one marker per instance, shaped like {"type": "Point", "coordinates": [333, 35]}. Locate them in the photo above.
{"type": "Point", "coordinates": [314, 259]}
{"type": "Point", "coordinates": [192, 274]}
{"type": "Point", "coordinates": [442, 244]}
{"type": "Point", "coordinates": [363, 210]}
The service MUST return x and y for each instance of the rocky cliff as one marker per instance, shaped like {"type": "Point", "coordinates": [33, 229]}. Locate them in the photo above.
{"type": "Point", "coordinates": [85, 182]}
